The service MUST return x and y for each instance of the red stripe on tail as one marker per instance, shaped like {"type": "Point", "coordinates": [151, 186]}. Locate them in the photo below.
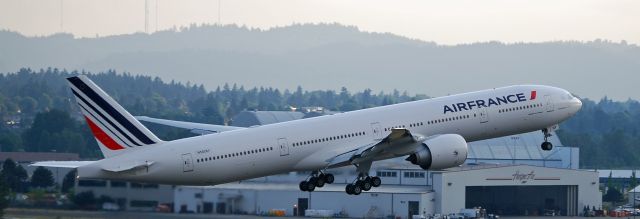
{"type": "Point", "coordinates": [533, 95]}
{"type": "Point", "coordinates": [102, 136]}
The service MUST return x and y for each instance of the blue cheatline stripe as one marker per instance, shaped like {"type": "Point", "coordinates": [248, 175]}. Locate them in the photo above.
{"type": "Point", "coordinates": [101, 123]}
{"type": "Point", "coordinates": [110, 110]}
{"type": "Point", "coordinates": [104, 118]}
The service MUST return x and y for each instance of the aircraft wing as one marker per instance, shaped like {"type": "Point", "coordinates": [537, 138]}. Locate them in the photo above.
{"type": "Point", "coordinates": [399, 142]}
{"type": "Point", "coordinates": [198, 128]}
{"type": "Point", "coordinates": [62, 164]}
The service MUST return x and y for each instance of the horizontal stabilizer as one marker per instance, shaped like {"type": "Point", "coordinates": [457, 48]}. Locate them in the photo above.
{"type": "Point", "coordinates": [122, 167]}
{"type": "Point", "coordinates": [62, 164]}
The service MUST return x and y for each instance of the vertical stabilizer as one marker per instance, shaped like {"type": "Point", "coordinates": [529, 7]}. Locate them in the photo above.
{"type": "Point", "coordinates": [113, 127]}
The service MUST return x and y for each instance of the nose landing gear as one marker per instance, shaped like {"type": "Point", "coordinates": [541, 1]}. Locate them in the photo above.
{"type": "Point", "coordinates": [546, 145]}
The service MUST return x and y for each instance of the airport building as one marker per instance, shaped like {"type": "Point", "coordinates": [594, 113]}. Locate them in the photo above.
{"type": "Point", "coordinates": [500, 189]}
{"type": "Point", "coordinates": [129, 196]}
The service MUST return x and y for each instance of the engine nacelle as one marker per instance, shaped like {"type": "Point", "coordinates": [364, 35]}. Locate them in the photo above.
{"type": "Point", "coordinates": [440, 152]}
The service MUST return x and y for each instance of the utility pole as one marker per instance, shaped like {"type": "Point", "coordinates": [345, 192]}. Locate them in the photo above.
{"type": "Point", "coordinates": [515, 148]}
{"type": "Point", "coordinates": [146, 16]}
{"type": "Point", "coordinates": [61, 16]}
{"type": "Point", "coordinates": [219, 11]}
{"type": "Point", "coordinates": [157, 1]}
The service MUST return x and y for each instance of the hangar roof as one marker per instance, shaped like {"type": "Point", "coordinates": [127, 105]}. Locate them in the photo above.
{"type": "Point", "coordinates": [27, 157]}
{"type": "Point", "coordinates": [521, 146]}
{"type": "Point", "coordinates": [252, 118]}
{"type": "Point", "coordinates": [617, 173]}
{"type": "Point", "coordinates": [635, 190]}
{"type": "Point", "coordinates": [491, 166]}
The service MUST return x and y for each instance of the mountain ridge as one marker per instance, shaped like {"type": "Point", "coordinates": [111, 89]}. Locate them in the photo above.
{"type": "Point", "coordinates": [315, 55]}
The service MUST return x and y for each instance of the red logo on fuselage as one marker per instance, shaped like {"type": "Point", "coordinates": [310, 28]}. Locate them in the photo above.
{"type": "Point", "coordinates": [533, 95]}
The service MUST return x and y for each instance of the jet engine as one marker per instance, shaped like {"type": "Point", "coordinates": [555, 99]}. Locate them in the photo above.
{"type": "Point", "coordinates": [440, 152]}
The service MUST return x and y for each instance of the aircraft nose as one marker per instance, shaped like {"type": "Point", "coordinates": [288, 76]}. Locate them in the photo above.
{"type": "Point", "coordinates": [576, 104]}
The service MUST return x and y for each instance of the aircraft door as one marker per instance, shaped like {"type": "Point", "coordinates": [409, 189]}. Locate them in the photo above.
{"type": "Point", "coordinates": [483, 115]}
{"type": "Point", "coordinates": [283, 144]}
{"type": "Point", "coordinates": [187, 162]}
{"type": "Point", "coordinates": [376, 130]}
{"type": "Point", "coordinates": [549, 106]}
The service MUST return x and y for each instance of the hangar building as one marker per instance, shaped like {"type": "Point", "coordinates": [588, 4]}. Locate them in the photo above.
{"type": "Point", "coordinates": [501, 189]}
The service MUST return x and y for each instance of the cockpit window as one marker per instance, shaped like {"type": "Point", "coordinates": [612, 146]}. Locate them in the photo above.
{"type": "Point", "coordinates": [574, 95]}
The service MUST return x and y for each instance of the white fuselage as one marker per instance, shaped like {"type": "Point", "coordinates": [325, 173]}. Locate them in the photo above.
{"type": "Point", "coordinates": [308, 144]}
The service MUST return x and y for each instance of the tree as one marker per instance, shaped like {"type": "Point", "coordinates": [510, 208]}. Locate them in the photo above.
{"type": "Point", "coordinates": [633, 182]}
{"type": "Point", "coordinates": [4, 196]}
{"type": "Point", "coordinates": [52, 131]}
{"type": "Point", "coordinates": [10, 141]}
{"type": "Point", "coordinates": [42, 178]}
{"type": "Point", "coordinates": [84, 200]}
{"type": "Point", "coordinates": [14, 175]}
{"type": "Point", "coordinates": [613, 195]}
{"type": "Point", "coordinates": [609, 180]}
{"type": "Point", "coordinates": [69, 181]}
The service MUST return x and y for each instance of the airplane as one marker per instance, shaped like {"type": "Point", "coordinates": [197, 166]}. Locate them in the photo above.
{"type": "Point", "coordinates": [431, 133]}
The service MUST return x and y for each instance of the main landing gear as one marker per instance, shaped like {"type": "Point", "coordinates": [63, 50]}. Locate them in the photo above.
{"type": "Point", "coordinates": [362, 183]}
{"type": "Point", "coordinates": [546, 145]}
{"type": "Point", "coordinates": [317, 179]}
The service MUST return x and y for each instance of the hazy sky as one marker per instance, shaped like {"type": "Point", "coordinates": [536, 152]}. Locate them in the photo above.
{"type": "Point", "coordinates": [446, 22]}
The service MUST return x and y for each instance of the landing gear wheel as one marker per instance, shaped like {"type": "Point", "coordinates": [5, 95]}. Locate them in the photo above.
{"type": "Point", "coordinates": [313, 180]}
{"type": "Point", "coordinates": [349, 189]}
{"type": "Point", "coordinates": [547, 146]}
{"type": "Point", "coordinates": [328, 178]}
{"type": "Point", "coordinates": [320, 182]}
{"type": "Point", "coordinates": [376, 181]}
{"type": "Point", "coordinates": [366, 184]}
{"type": "Point", "coordinates": [311, 187]}
{"type": "Point", "coordinates": [304, 186]}
{"type": "Point", "coordinates": [357, 190]}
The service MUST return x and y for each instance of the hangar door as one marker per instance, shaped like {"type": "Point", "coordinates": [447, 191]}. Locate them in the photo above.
{"type": "Point", "coordinates": [524, 200]}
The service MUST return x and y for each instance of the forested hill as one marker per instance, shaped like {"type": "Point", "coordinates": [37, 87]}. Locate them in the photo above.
{"type": "Point", "coordinates": [29, 92]}
{"type": "Point", "coordinates": [607, 133]}
{"type": "Point", "coordinates": [36, 107]}
{"type": "Point", "coordinates": [38, 114]}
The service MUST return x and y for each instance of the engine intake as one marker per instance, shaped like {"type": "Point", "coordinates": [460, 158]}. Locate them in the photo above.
{"type": "Point", "coordinates": [441, 152]}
